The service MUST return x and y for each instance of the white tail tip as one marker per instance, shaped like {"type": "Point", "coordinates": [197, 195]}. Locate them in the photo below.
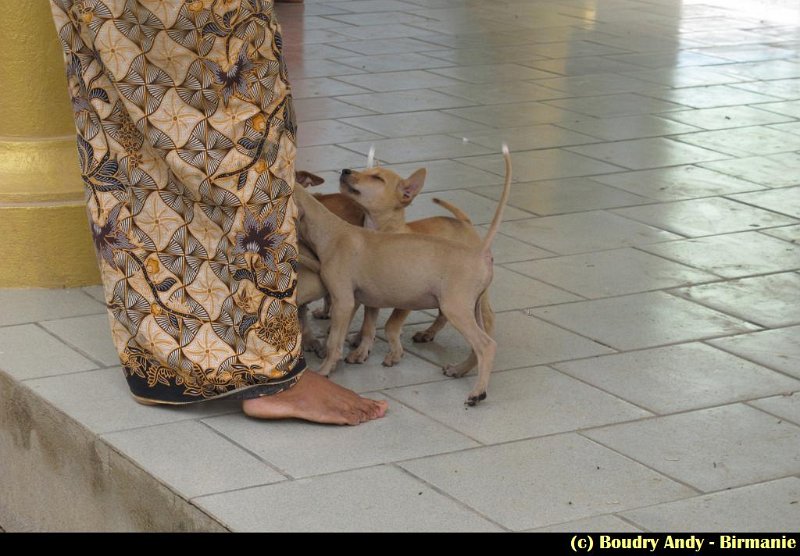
{"type": "Point", "coordinates": [371, 156]}
{"type": "Point", "coordinates": [505, 148]}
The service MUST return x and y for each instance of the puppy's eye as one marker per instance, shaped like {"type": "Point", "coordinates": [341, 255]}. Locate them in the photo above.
{"type": "Point", "coordinates": [379, 178]}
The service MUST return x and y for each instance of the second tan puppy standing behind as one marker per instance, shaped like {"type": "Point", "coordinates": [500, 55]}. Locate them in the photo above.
{"type": "Point", "coordinates": [384, 196]}
{"type": "Point", "coordinates": [406, 271]}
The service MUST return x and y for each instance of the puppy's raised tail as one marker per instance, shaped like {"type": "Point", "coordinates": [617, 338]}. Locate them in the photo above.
{"type": "Point", "coordinates": [457, 212]}
{"type": "Point", "coordinates": [501, 205]}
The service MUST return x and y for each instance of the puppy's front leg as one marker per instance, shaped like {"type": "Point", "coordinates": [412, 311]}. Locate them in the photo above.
{"type": "Point", "coordinates": [361, 353]}
{"type": "Point", "coordinates": [393, 328]}
{"type": "Point", "coordinates": [343, 306]}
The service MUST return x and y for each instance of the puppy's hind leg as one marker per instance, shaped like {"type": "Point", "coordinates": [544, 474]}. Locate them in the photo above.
{"type": "Point", "coordinates": [393, 328]}
{"type": "Point", "coordinates": [343, 306]}
{"type": "Point", "coordinates": [324, 313]}
{"type": "Point", "coordinates": [484, 347]}
{"type": "Point", "coordinates": [310, 342]}
{"type": "Point", "coordinates": [361, 352]}
{"type": "Point", "coordinates": [429, 334]}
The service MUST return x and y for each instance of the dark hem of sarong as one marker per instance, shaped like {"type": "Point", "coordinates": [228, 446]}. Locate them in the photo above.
{"type": "Point", "coordinates": [174, 394]}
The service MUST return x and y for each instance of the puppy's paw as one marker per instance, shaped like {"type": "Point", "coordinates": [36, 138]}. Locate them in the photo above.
{"type": "Point", "coordinates": [358, 355]}
{"type": "Point", "coordinates": [456, 371]}
{"type": "Point", "coordinates": [316, 346]}
{"type": "Point", "coordinates": [474, 398]}
{"type": "Point", "coordinates": [354, 340]}
{"type": "Point", "coordinates": [423, 337]}
{"type": "Point", "coordinates": [392, 359]}
{"type": "Point", "coordinates": [321, 314]}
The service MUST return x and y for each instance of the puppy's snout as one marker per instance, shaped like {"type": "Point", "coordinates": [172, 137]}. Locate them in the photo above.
{"type": "Point", "coordinates": [346, 172]}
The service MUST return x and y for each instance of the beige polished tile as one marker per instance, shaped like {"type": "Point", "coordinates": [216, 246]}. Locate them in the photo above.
{"type": "Point", "coordinates": [300, 450]}
{"type": "Point", "coordinates": [390, 62]}
{"type": "Point", "coordinates": [570, 67]}
{"type": "Point", "coordinates": [732, 255]}
{"type": "Point", "coordinates": [564, 196]}
{"type": "Point", "coordinates": [447, 174]}
{"type": "Point", "coordinates": [528, 138]}
{"type": "Point", "coordinates": [679, 378]}
{"type": "Point", "coordinates": [170, 453]}
{"type": "Point", "coordinates": [544, 164]}
{"type": "Point", "coordinates": [492, 73]}
{"type": "Point", "coordinates": [642, 320]}
{"type": "Point", "coordinates": [769, 507]}
{"type": "Point", "coordinates": [640, 154]}
{"type": "Point", "coordinates": [576, 477]}
{"type": "Point", "coordinates": [513, 115]}
{"type": "Point", "coordinates": [726, 117]}
{"type": "Point", "coordinates": [399, 45]}
{"type": "Point", "coordinates": [711, 96]}
{"type": "Point", "coordinates": [777, 170]}
{"type": "Point", "coordinates": [784, 200]}
{"type": "Point", "coordinates": [398, 80]}
{"type": "Point", "coordinates": [479, 209]}
{"type": "Point", "coordinates": [776, 349]}
{"type": "Point", "coordinates": [405, 101]}
{"type": "Point", "coordinates": [524, 403]}
{"type": "Point", "coordinates": [627, 127]}
{"type": "Point", "coordinates": [677, 182]}
{"type": "Point", "coordinates": [611, 273]}
{"type": "Point", "coordinates": [415, 124]}
{"type": "Point", "coordinates": [781, 88]}
{"type": "Point", "coordinates": [330, 132]}
{"type": "Point", "coordinates": [28, 352]}
{"type": "Point", "coordinates": [679, 58]}
{"type": "Point", "coordinates": [615, 105]}
{"type": "Point", "coordinates": [422, 149]}
{"type": "Point", "coordinates": [598, 84]}
{"type": "Point", "coordinates": [523, 341]}
{"type": "Point", "coordinates": [599, 524]}
{"type": "Point", "coordinates": [322, 87]}
{"type": "Point", "coordinates": [101, 401]}
{"type": "Point", "coordinates": [705, 448]}
{"type": "Point", "coordinates": [786, 406]}
{"type": "Point", "coordinates": [308, 109]}
{"type": "Point", "coordinates": [19, 306]}
{"type": "Point", "coordinates": [745, 141]}
{"type": "Point", "coordinates": [328, 157]}
{"type": "Point", "coordinates": [512, 290]}
{"type": "Point", "coordinates": [688, 76]}
{"type": "Point", "coordinates": [788, 233]}
{"type": "Point", "coordinates": [306, 69]}
{"type": "Point", "coordinates": [769, 301]}
{"type": "Point", "coordinates": [501, 93]}
{"type": "Point", "coordinates": [568, 234]}
{"type": "Point", "coordinates": [788, 108]}
{"type": "Point", "coordinates": [377, 499]}
{"type": "Point", "coordinates": [702, 217]}
{"type": "Point", "coordinates": [508, 250]}
{"type": "Point", "coordinates": [91, 334]}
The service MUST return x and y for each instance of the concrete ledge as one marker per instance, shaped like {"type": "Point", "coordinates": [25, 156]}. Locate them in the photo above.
{"type": "Point", "coordinates": [56, 475]}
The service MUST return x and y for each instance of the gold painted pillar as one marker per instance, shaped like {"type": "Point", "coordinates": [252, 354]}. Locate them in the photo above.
{"type": "Point", "coordinates": [44, 232]}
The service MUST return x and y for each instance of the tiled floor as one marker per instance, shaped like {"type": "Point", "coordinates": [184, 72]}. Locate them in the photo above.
{"type": "Point", "coordinates": [647, 286]}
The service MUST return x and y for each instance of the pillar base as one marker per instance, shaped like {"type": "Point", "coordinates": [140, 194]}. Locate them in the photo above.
{"type": "Point", "coordinates": [46, 246]}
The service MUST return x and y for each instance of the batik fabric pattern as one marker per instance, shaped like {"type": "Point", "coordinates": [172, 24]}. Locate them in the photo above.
{"type": "Point", "coordinates": [186, 143]}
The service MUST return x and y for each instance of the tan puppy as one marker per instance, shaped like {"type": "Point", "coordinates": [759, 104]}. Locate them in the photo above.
{"type": "Point", "coordinates": [309, 286]}
{"type": "Point", "coordinates": [406, 271]}
{"type": "Point", "coordinates": [384, 195]}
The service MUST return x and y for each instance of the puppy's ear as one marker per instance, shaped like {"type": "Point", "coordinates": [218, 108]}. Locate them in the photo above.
{"type": "Point", "coordinates": [307, 179]}
{"type": "Point", "coordinates": [412, 185]}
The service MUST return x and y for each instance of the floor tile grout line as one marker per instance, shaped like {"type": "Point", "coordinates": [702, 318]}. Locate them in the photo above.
{"type": "Point", "coordinates": [732, 197]}
{"type": "Point", "coordinates": [451, 497]}
{"type": "Point", "coordinates": [266, 462]}
{"type": "Point", "coordinates": [697, 491]}
{"type": "Point", "coordinates": [781, 419]}
{"type": "Point", "coordinates": [387, 392]}
{"type": "Point", "coordinates": [71, 346]}
{"type": "Point", "coordinates": [747, 357]}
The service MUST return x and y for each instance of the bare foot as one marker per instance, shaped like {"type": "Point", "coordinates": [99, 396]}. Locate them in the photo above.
{"type": "Point", "coordinates": [317, 399]}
